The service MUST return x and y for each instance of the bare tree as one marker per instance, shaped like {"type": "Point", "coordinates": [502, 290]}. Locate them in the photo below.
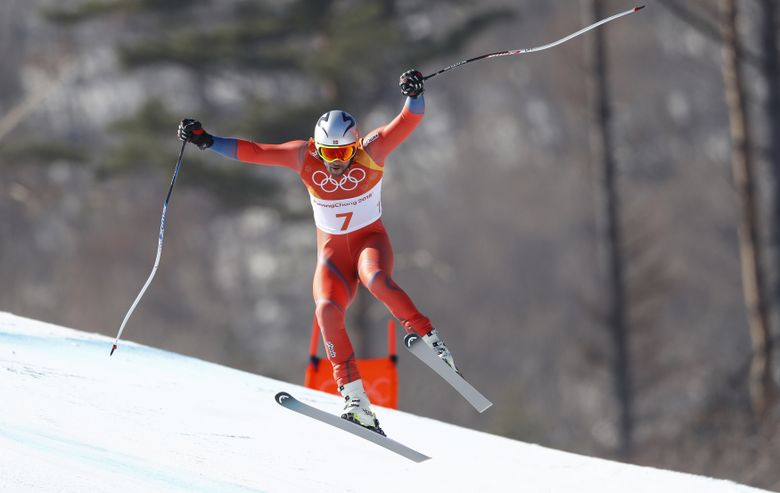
{"type": "Point", "coordinates": [760, 382]}
{"type": "Point", "coordinates": [770, 69]}
{"type": "Point", "coordinates": [609, 228]}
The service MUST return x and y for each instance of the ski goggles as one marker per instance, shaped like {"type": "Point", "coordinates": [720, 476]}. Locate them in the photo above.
{"type": "Point", "coordinates": [337, 153]}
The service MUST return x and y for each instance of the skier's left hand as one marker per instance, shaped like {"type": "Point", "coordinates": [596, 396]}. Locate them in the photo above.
{"type": "Point", "coordinates": [411, 83]}
{"type": "Point", "coordinates": [192, 131]}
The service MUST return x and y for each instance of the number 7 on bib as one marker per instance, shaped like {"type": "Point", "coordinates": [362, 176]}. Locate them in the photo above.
{"type": "Point", "coordinates": [347, 218]}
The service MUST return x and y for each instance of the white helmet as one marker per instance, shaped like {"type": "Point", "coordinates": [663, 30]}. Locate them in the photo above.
{"type": "Point", "coordinates": [336, 128]}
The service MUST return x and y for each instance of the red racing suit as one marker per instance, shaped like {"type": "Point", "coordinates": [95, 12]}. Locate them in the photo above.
{"type": "Point", "coordinates": [352, 243]}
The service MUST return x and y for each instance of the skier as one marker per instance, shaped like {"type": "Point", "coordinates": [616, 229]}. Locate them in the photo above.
{"type": "Point", "coordinates": [343, 174]}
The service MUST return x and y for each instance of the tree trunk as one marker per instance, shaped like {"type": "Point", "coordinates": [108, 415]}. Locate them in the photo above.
{"type": "Point", "coordinates": [771, 70]}
{"type": "Point", "coordinates": [609, 229]}
{"type": "Point", "coordinates": [760, 380]}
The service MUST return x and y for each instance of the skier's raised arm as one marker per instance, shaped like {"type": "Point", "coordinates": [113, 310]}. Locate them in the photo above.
{"type": "Point", "coordinates": [381, 142]}
{"type": "Point", "coordinates": [289, 155]}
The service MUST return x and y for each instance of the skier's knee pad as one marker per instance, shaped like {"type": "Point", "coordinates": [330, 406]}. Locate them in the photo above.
{"type": "Point", "coordinates": [380, 283]}
{"type": "Point", "coordinates": [329, 315]}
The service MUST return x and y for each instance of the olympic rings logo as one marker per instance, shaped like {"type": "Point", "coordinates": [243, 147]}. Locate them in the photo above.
{"type": "Point", "coordinates": [348, 182]}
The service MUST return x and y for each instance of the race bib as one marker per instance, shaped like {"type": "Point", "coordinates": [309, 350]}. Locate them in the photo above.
{"type": "Point", "coordinates": [344, 216]}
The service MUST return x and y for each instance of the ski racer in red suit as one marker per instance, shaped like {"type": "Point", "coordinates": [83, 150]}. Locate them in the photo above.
{"type": "Point", "coordinates": [343, 174]}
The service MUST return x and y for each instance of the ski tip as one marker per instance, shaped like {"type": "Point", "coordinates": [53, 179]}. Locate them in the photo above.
{"type": "Point", "coordinates": [281, 397]}
{"type": "Point", "coordinates": [485, 407]}
{"type": "Point", "coordinates": [113, 348]}
{"type": "Point", "coordinates": [410, 339]}
{"type": "Point", "coordinates": [637, 9]}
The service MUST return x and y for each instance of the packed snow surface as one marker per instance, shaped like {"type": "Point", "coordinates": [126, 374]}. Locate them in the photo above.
{"type": "Point", "coordinates": [73, 419]}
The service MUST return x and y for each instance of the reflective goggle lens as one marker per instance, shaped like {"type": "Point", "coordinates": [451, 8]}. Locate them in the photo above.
{"type": "Point", "coordinates": [341, 153]}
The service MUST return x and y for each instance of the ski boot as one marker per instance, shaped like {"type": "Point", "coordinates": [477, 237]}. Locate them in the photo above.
{"type": "Point", "coordinates": [433, 340]}
{"type": "Point", "coordinates": [357, 407]}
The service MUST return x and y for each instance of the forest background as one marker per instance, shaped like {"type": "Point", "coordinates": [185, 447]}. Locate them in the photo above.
{"type": "Point", "coordinates": [594, 229]}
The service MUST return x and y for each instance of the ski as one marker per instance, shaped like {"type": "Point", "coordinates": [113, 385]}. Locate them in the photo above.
{"type": "Point", "coordinates": [286, 400]}
{"type": "Point", "coordinates": [417, 347]}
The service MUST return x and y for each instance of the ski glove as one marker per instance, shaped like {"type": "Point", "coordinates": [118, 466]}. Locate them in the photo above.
{"type": "Point", "coordinates": [411, 83]}
{"type": "Point", "coordinates": [192, 131]}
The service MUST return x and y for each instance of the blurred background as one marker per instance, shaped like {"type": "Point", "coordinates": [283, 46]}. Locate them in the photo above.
{"type": "Point", "coordinates": [593, 228]}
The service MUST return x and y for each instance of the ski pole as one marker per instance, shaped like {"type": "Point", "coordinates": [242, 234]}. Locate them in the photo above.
{"type": "Point", "coordinates": [538, 48]}
{"type": "Point", "coordinates": [159, 251]}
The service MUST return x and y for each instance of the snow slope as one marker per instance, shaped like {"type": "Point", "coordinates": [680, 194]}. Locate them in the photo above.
{"type": "Point", "coordinates": [145, 420]}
